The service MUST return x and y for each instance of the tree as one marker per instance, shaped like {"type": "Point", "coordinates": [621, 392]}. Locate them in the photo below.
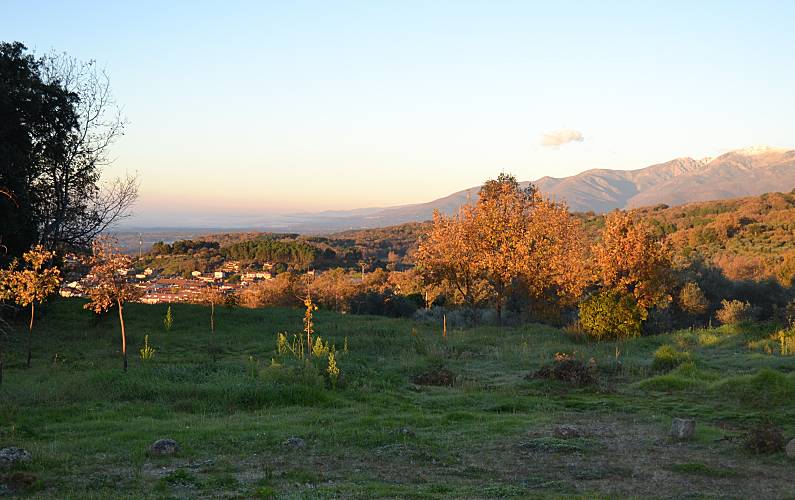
{"type": "Point", "coordinates": [37, 116]}
{"type": "Point", "coordinates": [334, 289]}
{"type": "Point", "coordinates": [34, 284]}
{"type": "Point", "coordinates": [6, 294]}
{"type": "Point", "coordinates": [525, 239]}
{"type": "Point", "coordinates": [58, 124]}
{"type": "Point", "coordinates": [211, 295]}
{"type": "Point", "coordinates": [76, 208]}
{"type": "Point", "coordinates": [501, 221]}
{"type": "Point", "coordinates": [512, 237]}
{"type": "Point", "coordinates": [629, 259]}
{"type": "Point", "coordinates": [111, 286]}
{"type": "Point", "coordinates": [445, 256]}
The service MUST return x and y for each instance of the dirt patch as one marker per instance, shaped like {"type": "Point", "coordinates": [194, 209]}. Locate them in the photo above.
{"type": "Point", "coordinates": [631, 458]}
{"type": "Point", "coordinates": [439, 376]}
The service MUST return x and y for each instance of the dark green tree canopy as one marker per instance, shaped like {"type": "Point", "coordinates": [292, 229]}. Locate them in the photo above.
{"type": "Point", "coordinates": [57, 122]}
{"type": "Point", "coordinates": [36, 118]}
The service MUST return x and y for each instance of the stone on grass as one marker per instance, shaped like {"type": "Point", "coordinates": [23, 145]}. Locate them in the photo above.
{"type": "Point", "coordinates": [164, 447]}
{"type": "Point", "coordinates": [683, 428]}
{"type": "Point", "coordinates": [295, 442]}
{"type": "Point", "coordinates": [12, 456]}
{"type": "Point", "coordinates": [791, 448]}
{"type": "Point", "coordinates": [566, 431]}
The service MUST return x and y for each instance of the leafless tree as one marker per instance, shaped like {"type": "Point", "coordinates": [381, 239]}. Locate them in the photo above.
{"type": "Point", "coordinates": [79, 206]}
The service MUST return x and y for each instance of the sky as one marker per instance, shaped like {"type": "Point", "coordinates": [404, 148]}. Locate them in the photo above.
{"type": "Point", "coordinates": [249, 108]}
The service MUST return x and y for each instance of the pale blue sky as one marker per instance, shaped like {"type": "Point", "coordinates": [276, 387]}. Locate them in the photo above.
{"type": "Point", "coordinates": [256, 107]}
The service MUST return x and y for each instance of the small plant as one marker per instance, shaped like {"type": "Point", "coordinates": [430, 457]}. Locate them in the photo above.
{"type": "Point", "coordinates": [147, 351]}
{"type": "Point", "coordinates": [786, 340]}
{"type": "Point", "coordinates": [309, 324]}
{"type": "Point", "coordinates": [285, 346]}
{"type": "Point", "coordinates": [168, 321]}
{"type": "Point", "coordinates": [345, 346]}
{"type": "Point", "coordinates": [320, 349]}
{"type": "Point", "coordinates": [332, 369]}
{"type": "Point", "coordinates": [667, 357]}
{"type": "Point", "coordinates": [253, 367]}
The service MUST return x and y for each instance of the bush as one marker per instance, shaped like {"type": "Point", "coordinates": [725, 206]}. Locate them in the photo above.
{"type": "Point", "coordinates": [667, 357]}
{"type": "Point", "coordinates": [567, 368]}
{"type": "Point", "coordinates": [692, 299]}
{"type": "Point", "coordinates": [609, 315]}
{"type": "Point", "coordinates": [734, 311]}
{"type": "Point", "coordinates": [765, 438]}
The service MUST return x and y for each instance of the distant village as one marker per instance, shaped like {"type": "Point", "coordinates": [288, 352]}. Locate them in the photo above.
{"type": "Point", "coordinates": [160, 289]}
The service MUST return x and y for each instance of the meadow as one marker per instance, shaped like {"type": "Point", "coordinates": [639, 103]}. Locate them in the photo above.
{"type": "Point", "coordinates": [413, 414]}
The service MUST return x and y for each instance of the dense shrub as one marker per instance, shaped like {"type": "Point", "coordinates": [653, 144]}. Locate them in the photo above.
{"type": "Point", "coordinates": [608, 315]}
{"type": "Point", "coordinates": [692, 299]}
{"type": "Point", "coordinates": [734, 311]}
{"type": "Point", "coordinates": [668, 357]}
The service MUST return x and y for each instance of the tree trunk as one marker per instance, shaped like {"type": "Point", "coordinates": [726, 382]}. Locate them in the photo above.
{"type": "Point", "coordinates": [212, 328]}
{"type": "Point", "coordinates": [212, 317]}
{"type": "Point", "coordinates": [498, 307]}
{"type": "Point", "coordinates": [123, 336]}
{"type": "Point", "coordinates": [30, 328]}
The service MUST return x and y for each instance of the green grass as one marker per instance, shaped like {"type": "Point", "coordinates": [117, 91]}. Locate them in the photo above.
{"type": "Point", "coordinates": [374, 434]}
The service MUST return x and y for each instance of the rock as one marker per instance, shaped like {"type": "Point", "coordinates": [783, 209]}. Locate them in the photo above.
{"type": "Point", "coordinates": [164, 447]}
{"type": "Point", "coordinates": [13, 455]}
{"type": "Point", "coordinates": [791, 448]}
{"type": "Point", "coordinates": [405, 431]}
{"type": "Point", "coordinates": [566, 431]}
{"type": "Point", "coordinates": [683, 428]}
{"type": "Point", "coordinates": [295, 442]}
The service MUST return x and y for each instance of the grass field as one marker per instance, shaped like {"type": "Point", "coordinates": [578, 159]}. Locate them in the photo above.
{"type": "Point", "coordinates": [88, 426]}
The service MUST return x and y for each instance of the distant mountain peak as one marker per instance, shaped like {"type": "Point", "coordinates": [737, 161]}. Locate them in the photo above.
{"type": "Point", "coordinates": [759, 150]}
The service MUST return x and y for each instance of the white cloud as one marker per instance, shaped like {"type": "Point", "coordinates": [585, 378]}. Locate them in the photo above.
{"type": "Point", "coordinates": [560, 137]}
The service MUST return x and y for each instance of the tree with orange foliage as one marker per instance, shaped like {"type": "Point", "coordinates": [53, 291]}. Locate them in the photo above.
{"type": "Point", "coordinates": [511, 237]}
{"type": "Point", "coordinates": [629, 259]}
{"type": "Point", "coordinates": [445, 256]}
{"type": "Point", "coordinates": [34, 284]}
{"type": "Point", "coordinates": [526, 239]}
{"type": "Point", "coordinates": [111, 288]}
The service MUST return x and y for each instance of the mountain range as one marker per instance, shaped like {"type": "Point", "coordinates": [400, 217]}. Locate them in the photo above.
{"type": "Point", "coordinates": [744, 172]}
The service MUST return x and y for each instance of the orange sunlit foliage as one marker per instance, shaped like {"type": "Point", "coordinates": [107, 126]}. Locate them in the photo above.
{"type": "Point", "coordinates": [32, 285]}
{"type": "Point", "coordinates": [108, 266]}
{"type": "Point", "coordinates": [630, 260]}
{"type": "Point", "coordinates": [512, 237]}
